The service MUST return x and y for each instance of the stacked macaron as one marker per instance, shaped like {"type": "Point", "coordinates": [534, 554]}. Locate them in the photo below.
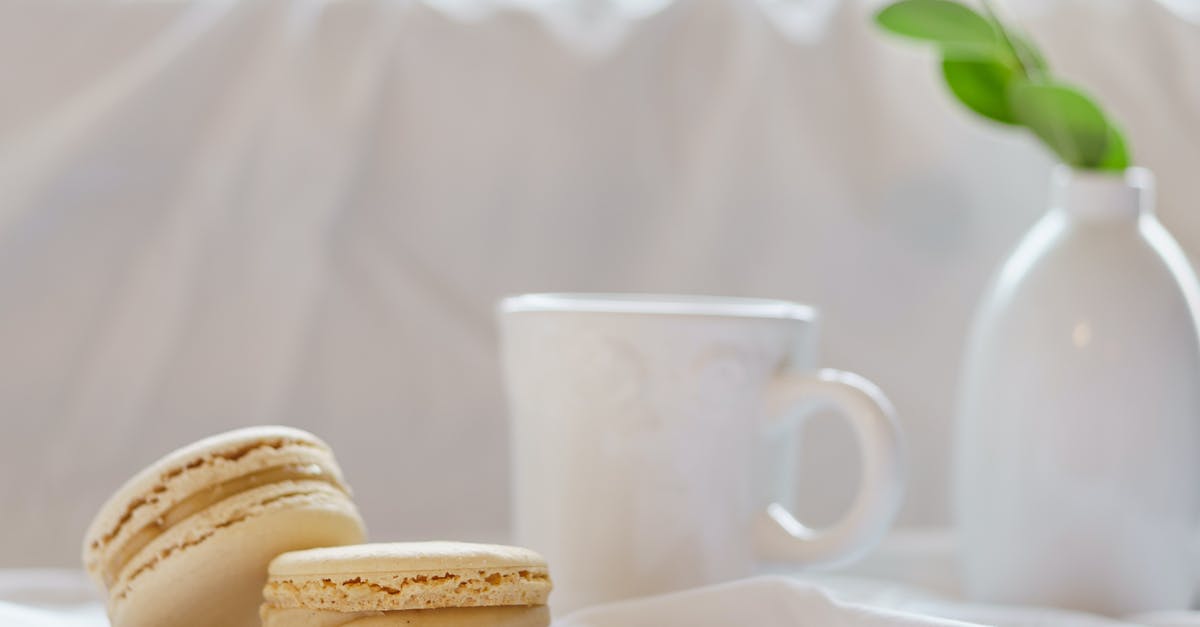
{"type": "Point", "coordinates": [187, 543]}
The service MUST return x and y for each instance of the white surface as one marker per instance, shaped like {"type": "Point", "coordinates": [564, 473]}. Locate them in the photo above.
{"type": "Point", "coordinates": [637, 437]}
{"type": "Point", "coordinates": [763, 602]}
{"type": "Point", "coordinates": [917, 570]}
{"type": "Point", "coordinates": [222, 213]}
{"type": "Point", "coordinates": [665, 304]}
{"type": "Point", "coordinates": [65, 599]}
{"type": "Point", "coordinates": [1078, 464]}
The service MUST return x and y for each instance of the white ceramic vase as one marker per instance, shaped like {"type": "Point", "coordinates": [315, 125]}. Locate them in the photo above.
{"type": "Point", "coordinates": [1078, 444]}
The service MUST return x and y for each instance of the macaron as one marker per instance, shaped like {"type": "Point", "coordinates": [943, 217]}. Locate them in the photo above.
{"type": "Point", "coordinates": [418, 584]}
{"type": "Point", "coordinates": [186, 542]}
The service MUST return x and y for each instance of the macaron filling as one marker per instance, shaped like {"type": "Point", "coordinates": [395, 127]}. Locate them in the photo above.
{"type": "Point", "coordinates": [412, 590]}
{"type": "Point", "coordinates": [207, 498]}
{"type": "Point", "coordinates": [492, 616]}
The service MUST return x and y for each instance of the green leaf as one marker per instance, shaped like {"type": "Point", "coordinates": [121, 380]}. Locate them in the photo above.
{"type": "Point", "coordinates": [982, 85]}
{"type": "Point", "coordinates": [1028, 55]}
{"type": "Point", "coordinates": [1116, 157]}
{"type": "Point", "coordinates": [1069, 122]}
{"type": "Point", "coordinates": [948, 24]}
{"type": "Point", "coordinates": [1022, 51]}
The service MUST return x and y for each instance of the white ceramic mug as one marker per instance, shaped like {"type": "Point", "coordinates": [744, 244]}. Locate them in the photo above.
{"type": "Point", "coordinates": [650, 439]}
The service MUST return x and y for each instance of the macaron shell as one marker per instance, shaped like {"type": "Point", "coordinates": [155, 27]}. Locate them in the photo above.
{"type": "Point", "coordinates": [513, 616]}
{"type": "Point", "coordinates": [404, 558]}
{"type": "Point", "coordinates": [153, 491]}
{"type": "Point", "coordinates": [408, 576]}
{"type": "Point", "coordinates": [215, 575]}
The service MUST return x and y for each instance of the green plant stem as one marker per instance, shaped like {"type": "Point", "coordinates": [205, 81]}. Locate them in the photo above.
{"type": "Point", "coordinates": [1026, 67]}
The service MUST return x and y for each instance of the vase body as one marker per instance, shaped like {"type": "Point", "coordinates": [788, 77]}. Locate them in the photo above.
{"type": "Point", "coordinates": [1077, 461]}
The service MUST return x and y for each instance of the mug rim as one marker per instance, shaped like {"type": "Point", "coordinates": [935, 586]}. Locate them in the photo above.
{"type": "Point", "coordinates": [657, 304]}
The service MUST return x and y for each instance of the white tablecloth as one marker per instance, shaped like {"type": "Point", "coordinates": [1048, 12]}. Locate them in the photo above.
{"type": "Point", "coordinates": [908, 581]}
{"type": "Point", "coordinates": [764, 602]}
{"type": "Point", "coordinates": [58, 599]}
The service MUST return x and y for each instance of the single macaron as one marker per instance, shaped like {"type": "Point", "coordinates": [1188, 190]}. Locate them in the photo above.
{"type": "Point", "coordinates": [186, 542]}
{"type": "Point", "coordinates": [418, 584]}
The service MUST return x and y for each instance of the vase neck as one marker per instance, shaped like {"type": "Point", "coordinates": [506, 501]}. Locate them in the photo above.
{"type": "Point", "coordinates": [1104, 196]}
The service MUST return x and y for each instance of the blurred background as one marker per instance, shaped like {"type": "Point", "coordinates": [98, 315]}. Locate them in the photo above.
{"type": "Point", "coordinates": [216, 213]}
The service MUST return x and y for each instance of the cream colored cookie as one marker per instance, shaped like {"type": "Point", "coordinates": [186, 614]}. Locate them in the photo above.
{"type": "Point", "coordinates": [505, 616]}
{"type": "Point", "coordinates": [386, 584]}
{"type": "Point", "coordinates": [187, 540]}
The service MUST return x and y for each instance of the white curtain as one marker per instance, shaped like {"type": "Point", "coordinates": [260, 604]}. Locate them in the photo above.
{"type": "Point", "coordinates": [220, 213]}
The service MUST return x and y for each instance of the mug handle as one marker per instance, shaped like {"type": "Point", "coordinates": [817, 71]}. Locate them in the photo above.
{"type": "Point", "coordinates": [778, 535]}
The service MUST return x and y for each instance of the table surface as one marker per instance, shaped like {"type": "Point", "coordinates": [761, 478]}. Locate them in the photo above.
{"type": "Point", "coordinates": [913, 570]}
